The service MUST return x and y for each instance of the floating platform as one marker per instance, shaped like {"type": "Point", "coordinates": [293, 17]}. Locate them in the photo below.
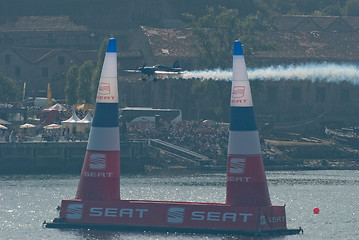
{"type": "Point", "coordinates": [136, 215]}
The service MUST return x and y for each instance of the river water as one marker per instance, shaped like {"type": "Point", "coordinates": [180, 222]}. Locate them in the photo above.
{"type": "Point", "coordinates": [27, 200]}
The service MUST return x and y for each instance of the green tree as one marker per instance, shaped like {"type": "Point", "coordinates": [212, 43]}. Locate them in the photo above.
{"type": "Point", "coordinates": [216, 31]}
{"type": "Point", "coordinates": [84, 82]}
{"type": "Point", "coordinates": [71, 85]}
{"type": "Point", "coordinates": [9, 92]}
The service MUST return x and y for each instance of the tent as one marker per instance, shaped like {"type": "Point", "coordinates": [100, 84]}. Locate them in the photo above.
{"type": "Point", "coordinates": [49, 115]}
{"type": "Point", "coordinates": [57, 107]}
{"type": "Point", "coordinates": [71, 122]}
{"type": "Point", "coordinates": [52, 126]}
{"type": "Point", "coordinates": [84, 123]}
{"type": "Point", "coordinates": [27, 125]}
{"type": "Point", "coordinates": [87, 119]}
{"type": "Point", "coordinates": [4, 122]}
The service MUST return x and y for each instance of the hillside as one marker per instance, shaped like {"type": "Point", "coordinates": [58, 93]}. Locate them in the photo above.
{"type": "Point", "coordinates": [118, 14]}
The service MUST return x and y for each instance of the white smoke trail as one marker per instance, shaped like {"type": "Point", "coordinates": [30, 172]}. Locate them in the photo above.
{"type": "Point", "coordinates": [329, 72]}
{"type": "Point", "coordinates": [214, 74]}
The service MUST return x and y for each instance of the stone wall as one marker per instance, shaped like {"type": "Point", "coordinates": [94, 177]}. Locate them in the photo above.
{"type": "Point", "coordinates": [62, 157]}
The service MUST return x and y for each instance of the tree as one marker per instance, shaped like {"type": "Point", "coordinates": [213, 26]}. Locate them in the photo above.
{"type": "Point", "coordinates": [84, 82]}
{"type": "Point", "coordinates": [216, 31]}
{"type": "Point", "coordinates": [71, 85]}
{"type": "Point", "coordinates": [9, 92]}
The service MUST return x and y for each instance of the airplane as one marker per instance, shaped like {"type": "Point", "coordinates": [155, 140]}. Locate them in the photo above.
{"type": "Point", "coordinates": [156, 69]}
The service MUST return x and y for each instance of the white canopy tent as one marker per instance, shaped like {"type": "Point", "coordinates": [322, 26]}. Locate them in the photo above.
{"type": "Point", "coordinates": [84, 123]}
{"type": "Point", "coordinates": [71, 122]}
{"type": "Point", "coordinates": [57, 107]}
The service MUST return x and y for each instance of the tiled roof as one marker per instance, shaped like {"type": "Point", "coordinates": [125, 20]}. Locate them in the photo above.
{"type": "Point", "coordinates": [35, 55]}
{"type": "Point", "coordinates": [30, 54]}
{"type": "Point", "coordinates": [312, 45]}
{"type": "Point", "coordinates": [315, 38]}
{"type": "Point", "coordinates": [291, 22]}
{"type": "Point", "coordinates": [129, 53]}
{"type": "Point", "coordinates": [170, 42]}
{"type": "Point", "coordinates": [42, 23]}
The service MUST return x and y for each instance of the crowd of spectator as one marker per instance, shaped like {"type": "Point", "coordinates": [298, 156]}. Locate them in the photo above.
{"type": "Point", "coordinates": [54, 135]}
{"type": "Point", "coordinates": [205, 137]}
{"type": "Point", "coordinates": [39, 118]}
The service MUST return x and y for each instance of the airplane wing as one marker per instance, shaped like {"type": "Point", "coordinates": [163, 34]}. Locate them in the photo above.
{"type": "Point", "coordinates": [167, 72]}
{"type": "Point", "coordinates": [133, 71]}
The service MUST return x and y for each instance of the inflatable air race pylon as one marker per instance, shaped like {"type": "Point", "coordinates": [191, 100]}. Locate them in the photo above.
{"type": "Point", "coordinates": [246, 180]}
{"type": "Point", "coordinates": [100, 176]}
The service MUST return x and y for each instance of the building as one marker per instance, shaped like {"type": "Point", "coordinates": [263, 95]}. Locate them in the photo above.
{"type": "Point", "coordinates": [40, 50]}
{"type": "Point", "coordinates": [40, 66]}
{"type": "Point", "coordinates": [298, 39]}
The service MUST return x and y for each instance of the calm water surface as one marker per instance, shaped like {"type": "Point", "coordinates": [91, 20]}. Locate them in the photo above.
{"type": "Point", "coordinates": [27, 200]}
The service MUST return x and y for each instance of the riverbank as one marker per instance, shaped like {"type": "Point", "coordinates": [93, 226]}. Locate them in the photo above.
{"type": "Point", "coordinates": [298, 153]}
{"type": "Point", "coordinates": [136, 157]}
{"type": "Point", "coordinates": [62, 157]}
{"type": "Point", "coordinates": [310, 154]}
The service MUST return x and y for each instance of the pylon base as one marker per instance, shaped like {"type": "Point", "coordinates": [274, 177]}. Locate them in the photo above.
{"type": "Point", "coordinates": [136, 215]}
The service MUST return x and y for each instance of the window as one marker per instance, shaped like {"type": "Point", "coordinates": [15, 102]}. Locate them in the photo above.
{"type": "Point", "coordinates": [17, 71]}
{"type": "Point", "coordinates": [44, 72]}
{"type": "Point", "coordinates": [320, 97]}
{"type": "Point", "coordinates": [7, 59]}
{"type": "Point", "coordinates": [296, 94]}
{"type": "Point", "coordinates": [61, 60]}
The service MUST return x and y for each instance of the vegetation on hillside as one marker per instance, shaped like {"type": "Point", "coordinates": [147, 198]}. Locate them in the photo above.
{"type": "Point", "coordinates": [217, 29]}
{"type": "Point", "coordinates": [9, 92]}
{"type": "Point", "coordinates": [82, 83]}
{"type": "Point", "coordinates": [71, 85]}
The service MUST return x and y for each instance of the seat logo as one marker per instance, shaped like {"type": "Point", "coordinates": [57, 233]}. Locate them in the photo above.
{"type": "Point", "coordinates": [175, 215]}
{"type": "Point", "coordinates": [97, 161]}
{"type": "Point", "coordinates": [237, 165]}
{"type": "Point", "coordinates": [74, 211]}
{"type": "Point", "coordinates": [238, 91]}
{"type": "Point", "coordinates": [104, 89]}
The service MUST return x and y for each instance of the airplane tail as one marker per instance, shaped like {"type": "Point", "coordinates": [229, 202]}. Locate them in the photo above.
{"type": "Point", "coordinates": [176, 64]}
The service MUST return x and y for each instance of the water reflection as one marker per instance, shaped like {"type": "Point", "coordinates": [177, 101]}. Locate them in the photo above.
{"type": "Point", "coordinates": [27, 200]}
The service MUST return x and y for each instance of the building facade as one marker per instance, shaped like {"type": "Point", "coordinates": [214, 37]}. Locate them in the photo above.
{"type": "Point", "coordinates": [40, 50]}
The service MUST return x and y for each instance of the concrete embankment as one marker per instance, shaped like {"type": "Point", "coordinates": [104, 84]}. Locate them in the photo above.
{"type": "Point", "coordinates": [309, 154]}
{"type": "Point", "coordinates": [138, 155]}
{"type": "Point", "coordinates": [62, 157]}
